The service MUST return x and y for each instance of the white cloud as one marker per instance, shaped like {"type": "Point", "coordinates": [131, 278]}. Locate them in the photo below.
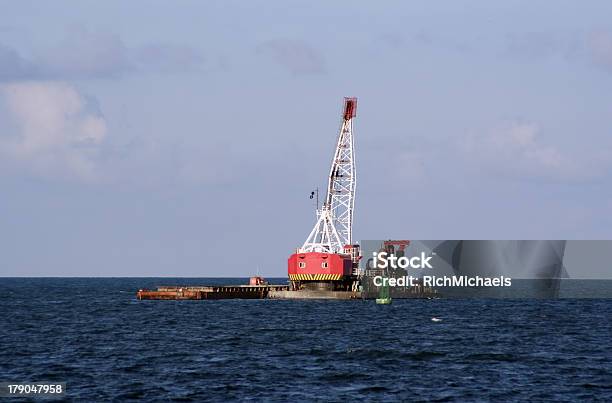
{"type": "Point", "coordinates": [55, 129]}
{"type": "Point", "coordinates": [516, 149]}
{"type": "Point", "coordinates": [87, 54]}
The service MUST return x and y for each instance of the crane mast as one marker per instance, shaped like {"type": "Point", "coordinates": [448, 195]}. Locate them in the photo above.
{"type": "Point", "coordinates": [334, 227]}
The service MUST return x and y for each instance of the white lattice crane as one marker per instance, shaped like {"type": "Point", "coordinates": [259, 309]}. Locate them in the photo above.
{"type": "Point", "coordinates": [334, 227]}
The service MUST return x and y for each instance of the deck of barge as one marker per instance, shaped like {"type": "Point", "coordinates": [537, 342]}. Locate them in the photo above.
{"type": "Point", "coordinates": [258, 289]}
{"type": "Point", "coordinates": [210, 292]}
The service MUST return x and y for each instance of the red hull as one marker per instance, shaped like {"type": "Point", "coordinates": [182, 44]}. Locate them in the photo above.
{"type": "Point", "coordinates": [318, 266]}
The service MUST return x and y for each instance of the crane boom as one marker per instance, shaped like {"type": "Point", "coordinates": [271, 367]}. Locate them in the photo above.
{"type": "Point", "coordinates": [334, 227]}
{"type": "Point", "coordinates": [342, 176]}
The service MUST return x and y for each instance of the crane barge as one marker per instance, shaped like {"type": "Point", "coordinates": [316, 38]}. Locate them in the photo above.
{"type": "Point", "coordinates": [329, 259]}
{"type": "Point", "coordinates": [326, 265]}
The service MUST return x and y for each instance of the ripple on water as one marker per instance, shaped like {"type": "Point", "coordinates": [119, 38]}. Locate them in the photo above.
{"type": "Point", "coordinates": [94, 335]}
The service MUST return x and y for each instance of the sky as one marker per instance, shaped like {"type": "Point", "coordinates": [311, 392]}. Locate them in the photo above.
{"type": "Point", "coordinates": [164, 138]}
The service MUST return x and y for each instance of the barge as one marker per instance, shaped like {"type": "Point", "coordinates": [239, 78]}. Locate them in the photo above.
{"type": "Point", "coordinates": [259, 289]}
{"type": "Point", "coordinates": [251, 291]}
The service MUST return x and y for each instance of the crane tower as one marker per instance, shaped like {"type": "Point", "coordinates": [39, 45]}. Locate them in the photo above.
{"type": "Point", "coordinates": [328, 258]}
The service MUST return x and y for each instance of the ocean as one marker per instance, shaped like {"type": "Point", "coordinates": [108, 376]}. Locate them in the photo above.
{"type": "Point", "coordinates": [94, 335]}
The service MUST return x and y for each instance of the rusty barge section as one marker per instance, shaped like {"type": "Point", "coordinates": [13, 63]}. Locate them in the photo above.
{"type": "Point", "coordinates": [258, 288]}
{"type": "Point", "coordinates": [211, 292]}
{"type": "Point", "coordinates": [268, 291]}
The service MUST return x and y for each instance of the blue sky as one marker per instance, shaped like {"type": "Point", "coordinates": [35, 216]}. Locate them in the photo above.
{"type": "Point", "coordinates": [183, 138]}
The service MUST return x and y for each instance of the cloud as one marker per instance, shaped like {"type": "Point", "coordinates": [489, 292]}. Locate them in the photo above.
{"type": "Point", "coordinates": [86, 54]}
{"type": "Point", "coordinates": [167, 58]}
{"type": "Point", "coordinates": [15, 67]}
{"type": "Point", "coordinates": [593, 47]}
{"type": "Point", "coordinates": [296, 56]}
{"type": "Point", "coordinates": [600, 46]}
{"type": "Point", "coordinates": [516, 149]}
{"type": "Point", "coordinates": [55, 130]}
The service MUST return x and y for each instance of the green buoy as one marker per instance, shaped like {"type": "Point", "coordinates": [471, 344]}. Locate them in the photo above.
{"type": "Point", "coordinates": [383, 295]}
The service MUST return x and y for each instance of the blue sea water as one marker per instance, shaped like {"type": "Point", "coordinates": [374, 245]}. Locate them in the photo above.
{"type": "Point", "coordinates": [94, 335]}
